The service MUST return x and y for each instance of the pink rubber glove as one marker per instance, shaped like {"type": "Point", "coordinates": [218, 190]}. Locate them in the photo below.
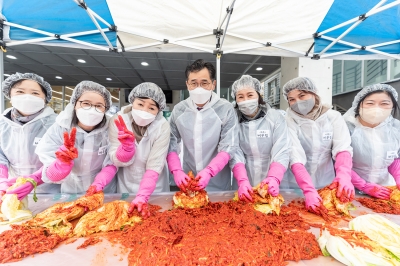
{"type": "Point", "coordinates": [274, 178]}
{"type": "Point", "coordinates": [245, 190]}
{"type": "Point", "coordinates": [3, 178]}
{"type": "Point", "coordinates": [59, 170]}
{"type": "Point", "coordinates": [65, 156]}
{"type": "Point", "coordinates": [174, 165]}
{"type": "Point", "coordinates": [68, 152]}
{"type": "Point", "coordinates": [212, 169]}
{"type": "Point", "coordinates": [23, 190]}
{"type": "Point", "coordinates": [102, 179]}
{"type": "Point", "coordinates": [394, 170]}
{"type": "Point", "coordinates": [303, 179]}
{"type": "Point", "coordinates": [127, 148]}
{"type": "Point", "coordinates": [146, 188]}
{"type": "Point", "coordinates": [345, 189]}
{"type": "Point", "coordinates": [374, 190]}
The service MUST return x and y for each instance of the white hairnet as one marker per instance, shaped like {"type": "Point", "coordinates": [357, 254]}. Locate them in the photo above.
{"type": "Point", "coordinates": [90, 86]}
{"type": "Point", "coordinates": [245, 82]}
{"type": "Point", "coordinates": [300, 83]}
{"type": "Point", "coordinates": [9, 82]}
{"type": "Point", "coordinates": [148, 90]}
{"type": "Point", "coordinates": [376, 87]}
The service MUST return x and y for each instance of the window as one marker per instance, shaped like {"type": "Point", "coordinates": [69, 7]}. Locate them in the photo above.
{"type": "Point", "coordinates": [352, 75]}
{"type": "Point", "coordinates": [395, 69]}
{"type": "Point", "coordinates": [272, 90]}
{"type": "Point", "coordinates": [375, 71]}
{"type": "Point", "coordinates": [337, 77]}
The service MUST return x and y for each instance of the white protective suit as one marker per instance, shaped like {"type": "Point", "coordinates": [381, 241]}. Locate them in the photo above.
{"type": "Point", "coordinates": [374, 149]}
{"type": "Point", "coordinates": [92, 154]}
{"type": "Point", "coordinates": [130, 173]}
{"type": "Point", "coordinates": [319, 141]}
{"type": "Point", "coordinates": [204, 133]}
{"type": "Point", "coordinates": [261, 142]}
{"type": "Point", "coordinates": [18, 144]}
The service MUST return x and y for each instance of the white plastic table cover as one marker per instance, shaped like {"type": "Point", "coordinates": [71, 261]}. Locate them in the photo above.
{"type": "Point", "coordinates": [104, 253]}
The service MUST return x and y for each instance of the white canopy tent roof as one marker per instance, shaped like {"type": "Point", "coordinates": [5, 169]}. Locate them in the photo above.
{"type": "Point", "coordinates": [358, 29]}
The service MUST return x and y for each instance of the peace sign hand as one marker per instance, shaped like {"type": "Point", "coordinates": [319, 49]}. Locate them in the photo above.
{"type": "Point", "coordinates": [125, 137]}
{"type": "Point", "coordinates": [68, 152]}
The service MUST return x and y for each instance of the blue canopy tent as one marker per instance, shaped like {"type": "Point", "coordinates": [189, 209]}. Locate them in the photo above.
{"type": "Point", "coordinates": [335, 29]}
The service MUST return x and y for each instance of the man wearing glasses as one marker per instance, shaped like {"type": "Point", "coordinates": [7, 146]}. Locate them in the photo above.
{"type": "Point", "coordinates": [207, 127]}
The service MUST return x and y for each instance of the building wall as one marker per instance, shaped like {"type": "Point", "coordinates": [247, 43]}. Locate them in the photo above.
{"type": "Point", "coordinates": [320, 71]}
{"type": "Point", "coordinates": [345, 100]}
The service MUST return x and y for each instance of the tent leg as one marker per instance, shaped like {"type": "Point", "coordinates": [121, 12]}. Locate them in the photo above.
{"type": "Point", "coordinates": [1, 82]}
{"type": "Point", "coordinates": [218, 75]}
{"type": "Point", "coordinates": [63, 97]}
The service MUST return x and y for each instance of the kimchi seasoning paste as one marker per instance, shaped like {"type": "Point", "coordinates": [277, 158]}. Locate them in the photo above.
{"type": "Point", "coordinates": [218, 234]}
{"type": "Point", "coordinates": [380, 206]}
{"type": "Point", "coordinates": [20, 242]}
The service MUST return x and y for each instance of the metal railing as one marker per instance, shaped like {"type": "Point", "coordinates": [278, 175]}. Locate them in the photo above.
{"type": "Point", "coordinates": [339, 108]}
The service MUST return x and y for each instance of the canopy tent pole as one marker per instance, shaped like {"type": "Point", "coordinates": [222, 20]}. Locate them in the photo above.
{"type": "Point", "coordinates": [218, 75]}
{"type": "Point", "coordinates": [382, 44]}
{"type": "Point", "coordinates": [383, 53]}
{"type": "Point", "coordinates": [31, 41]}
{"type": "Point", "coordinates": [218, 52]}
{"type": "Point", "coordinates": [2, 107]}
{"type": "Point", "coordinates": [286, 49]}
{"type": "Point", "coordinates": [244, 49]}
{"type": "Point", "coordinates": [376, 9]}
{"type": "Point", "coordinates": [82, 4]}
{"type": "Point", "coordinates": [166, 41]}
{"type": "Point", "coordinates": [359, 47]}
{"type": "Point", "coordinates": [63, 37]}
{"type": "Point", "coordinates": [263, 44]}
{"type": "Point", "coordinates": [340, 37]}
{"type": "Point", "coordinates": [227, 22]}
{"type": "Point", "coordinates": [142, 46]}
{"type": "Point", "coordinates": [339, 53]}
{"type": "Point", "coordinates": [63, 97]}
{"type": "Point", "coordinates": [2, 51]}
{"type": "Point", "coordinates": [346, 22]}
{"type": "Point", "coordinates": [360, 19]}
{"type": "Point", "coordinates": [100, 18]}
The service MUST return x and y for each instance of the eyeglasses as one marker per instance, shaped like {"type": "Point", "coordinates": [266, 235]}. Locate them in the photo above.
{"type": "Point", "coordinates": [87, 105]}
{"type": "Point", "coordinates": [203, 84]}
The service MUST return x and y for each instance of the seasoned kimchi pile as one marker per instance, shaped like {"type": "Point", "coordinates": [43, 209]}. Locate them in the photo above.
{"type": "Point", "coordinates": [226, 233]}
{"type": "Point", "coordinates": [221, 233]}
{"type": "Point", "coordinates": [264, 202]}
{"type": "Point", "coordinates": [391, 206]}
{"type": "Point", "coordinates": [109, 217]}
{"type": "Point", "coordinates": [57, 219]}
{"type": "Point", "coordinates": [331, 211]}
{"type": "Point", "coordinates": [189, 197]}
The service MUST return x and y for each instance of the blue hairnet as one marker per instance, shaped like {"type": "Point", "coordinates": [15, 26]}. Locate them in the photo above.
{"type": "Point", "coordinates": [9, 82]}
{"type": "Point", "coordinates": [148, 90]}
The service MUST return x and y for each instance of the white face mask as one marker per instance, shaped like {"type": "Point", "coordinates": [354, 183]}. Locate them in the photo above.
{"type": "Point", "coordinates": [27, 104]}
{"type": "Point", "coordinates": [248, 107]}
{"type": "Point", "coordinates": [303, 106]}
{"type": "Point", "coordinates": [142, 118]}
{"type": "Point", "coordinates": [374, 115]}
{"type": "Point", "coordinates": [89, 117]}
{"type": "Point", "coordinates": [200, 95]}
